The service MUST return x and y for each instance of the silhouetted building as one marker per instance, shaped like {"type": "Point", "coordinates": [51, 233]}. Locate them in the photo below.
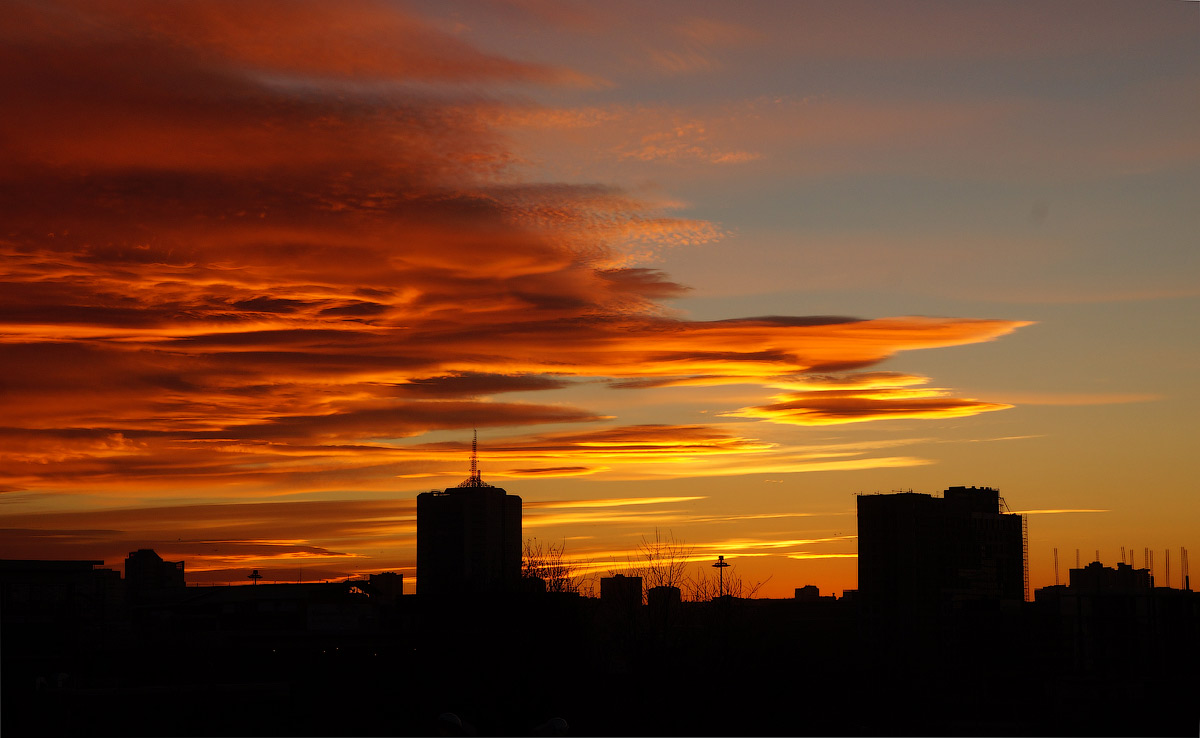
{"type": "Point", "coordinates": [621, 591]}
{"type": "Point", "coordinates": [663, 597]}
{"type": "Point", "coordinates": [1113, 621]}
{"type": "Point", "coordinates": [924, 555]}
{"type": "Point", "coordinates": [145, 571]}
{"type": "Point", "coordinates": [1096, 578]}
{"type": "Point", "coordinates": [468, 539]}
{"type": "Point", "coordinates": [283, 609]}
{"type": "Point", "coordinates": [56, 593]}
{"type": "Point", "coordinates": [811, 593]}
{"type": "Point", "coordinates": [388, 584]}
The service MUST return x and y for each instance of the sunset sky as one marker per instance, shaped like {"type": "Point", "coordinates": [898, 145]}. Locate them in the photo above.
{"type": "Point", "coordinates": [709, 268]}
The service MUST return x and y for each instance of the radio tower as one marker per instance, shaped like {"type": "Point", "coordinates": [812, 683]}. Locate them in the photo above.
{"type": "Point", "coordinates": [474, 480]}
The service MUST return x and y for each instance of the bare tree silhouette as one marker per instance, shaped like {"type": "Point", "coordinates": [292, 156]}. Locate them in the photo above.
{"type": "Point", "coordinates": [661, 562]}
{"type": "Point", "coordinates": [545, 560]}
{"type": "Point", "coordinates": [706, 586]}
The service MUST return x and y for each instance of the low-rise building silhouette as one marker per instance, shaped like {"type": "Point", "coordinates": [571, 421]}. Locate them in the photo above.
{"type": "Point", "coordinates": [146, 571]}
{"type": "Point", "coordinates": [621, 591]}
{"type": "Point", "coordinates": [51, 595]}
{"type": "Point", "coordinates": [1111, 621]}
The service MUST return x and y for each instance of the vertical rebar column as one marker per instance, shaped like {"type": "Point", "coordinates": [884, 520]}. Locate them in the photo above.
{"type": "Point", "coordinates": [1025, 554]}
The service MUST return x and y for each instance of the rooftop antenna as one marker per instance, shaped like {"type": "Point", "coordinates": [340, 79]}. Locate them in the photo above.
{"type": "Point", "coordinates": [1056, 567]}
{"type": "Point", "coordinates": [475, 454]}
{"type": "Point", "coordinates": [474, 480]}
{"type": "Point", "coordinates": [1167, 574]}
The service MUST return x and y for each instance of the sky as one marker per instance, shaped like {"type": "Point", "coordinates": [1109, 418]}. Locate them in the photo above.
{"type": "Point", "coordinates": [697, 270]}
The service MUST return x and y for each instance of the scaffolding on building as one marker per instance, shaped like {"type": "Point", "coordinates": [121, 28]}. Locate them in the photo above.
{"type": "Point", "coordinates": [1025, 555]}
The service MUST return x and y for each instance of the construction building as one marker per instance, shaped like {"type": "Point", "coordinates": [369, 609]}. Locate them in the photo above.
{"type": "Point", "coordinates": [920, 555]}
{"type": "Point", "coordinates": [1108, 623]}
{"type": "Point", "coordinates": [468, 538]}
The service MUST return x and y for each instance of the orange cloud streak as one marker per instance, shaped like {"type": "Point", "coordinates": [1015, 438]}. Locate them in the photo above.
{"type": "Point", "coordinates": [876, 397]}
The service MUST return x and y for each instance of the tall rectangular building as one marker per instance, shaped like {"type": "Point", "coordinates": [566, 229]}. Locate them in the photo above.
{"type": "Point", "coordinates": [468, 539]}
{"type": "Point", "coordinates": [922, 555]}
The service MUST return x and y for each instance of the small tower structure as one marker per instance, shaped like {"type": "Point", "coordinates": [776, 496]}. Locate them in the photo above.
{"type": "Point", "coordinates": [720, 567]}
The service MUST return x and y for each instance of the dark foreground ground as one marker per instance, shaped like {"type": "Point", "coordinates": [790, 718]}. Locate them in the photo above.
{"type": "Point", "coordinates": [506, 668]}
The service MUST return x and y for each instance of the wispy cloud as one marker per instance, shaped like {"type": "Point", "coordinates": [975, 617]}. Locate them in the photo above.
{"type": "Point", "coordinates": [1076, 398]}
{"type": "Point", "coordinates": [1049, 512]}
{"type": "Point", "coordinates": [870, 396]}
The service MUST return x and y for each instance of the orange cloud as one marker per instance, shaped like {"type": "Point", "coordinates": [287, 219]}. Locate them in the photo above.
{"type": "Point", "coordinates": [264, 248]}
{"type": "Point", "coordinates": [250, 530]}
{"type": "Point", "coordinates": [1047, 512]}
{"type": "Point", "coordinates": [848, 406]}
{"type": "Point", "coordinates": [828, 399]}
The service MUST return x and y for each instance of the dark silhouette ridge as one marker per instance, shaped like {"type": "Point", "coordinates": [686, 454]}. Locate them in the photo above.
{"type": "Point", "coordinates": [1106, 654]}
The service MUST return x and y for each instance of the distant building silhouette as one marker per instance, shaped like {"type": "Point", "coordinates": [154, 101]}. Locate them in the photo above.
{"type": "Point", "coordinates": [1096, 578]}
{"type": "Point", "coordinates": [468, 538]}
{"type": "Point", "coordinates": [811, 593]}
{"type": "Point", "coordinates": [145, 571]}
{"type": "Point", "coordinates": [289, 609]}
{"type": "Point", "coordinates": [621, 591]}
{"type": "Point", "coordinates": [388, 584]}
{"type": "Point", "coordinates": [1113, 622]}
{"type": "Point", "coordinates": [924, 555]}
{"type": "Point", "coordinates": [55, 594]}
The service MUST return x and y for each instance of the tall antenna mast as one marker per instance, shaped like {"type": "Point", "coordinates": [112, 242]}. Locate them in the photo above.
{"type": "Point", "coordinates": [474, 453]}
{"type": "Point", "coordinates": [474, 480]}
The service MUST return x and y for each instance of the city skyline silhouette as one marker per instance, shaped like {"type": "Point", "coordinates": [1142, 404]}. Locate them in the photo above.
{"type": "Point", "coordinates": [780, 294]}
{"type": "Point", "coordinates": [942, 608]}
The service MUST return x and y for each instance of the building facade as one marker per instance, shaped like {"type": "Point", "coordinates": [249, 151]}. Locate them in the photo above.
{"type": "Point", "coordinates": [468, 539]}
{"type": "Point", "coordinates": [925, 555]}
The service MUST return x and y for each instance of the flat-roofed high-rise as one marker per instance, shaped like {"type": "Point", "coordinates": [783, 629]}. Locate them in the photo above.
{"type": "Point", "coordinates": [468, 539]}
{"type": "Point", "coordinates": [919, 554]}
